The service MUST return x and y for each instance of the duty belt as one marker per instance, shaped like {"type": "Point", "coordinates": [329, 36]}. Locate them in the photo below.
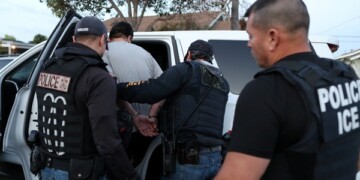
{"type": "Point", "coordinates": [191, 155]}
{"type": "Point", "coordinates": [60, 164]}
{"type": "Point", "coordinates": [209, 149]}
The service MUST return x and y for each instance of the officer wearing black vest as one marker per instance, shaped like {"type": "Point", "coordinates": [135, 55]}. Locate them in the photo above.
{"type": "Point", "coordinates": [191, 121]}
{"type": "Point", "coordinates": [77, 121]}
{"type": "Point", "coordinates": [299, 117]}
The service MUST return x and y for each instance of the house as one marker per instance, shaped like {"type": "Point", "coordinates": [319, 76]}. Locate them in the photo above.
{"type": "Point", "coordinates": [9, 48]}
{"type": "Point", "coordinates": [353, 59]}
{"type": "Point", "coordinates": [190, 21]}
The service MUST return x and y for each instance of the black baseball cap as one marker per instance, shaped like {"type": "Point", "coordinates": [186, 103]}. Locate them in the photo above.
{"type": "Point", "coordinates": [90, 25]}
{"type": "Point", "coordinates": [201, 48]}
{"type": "Point", "coordinates": [123, 28]}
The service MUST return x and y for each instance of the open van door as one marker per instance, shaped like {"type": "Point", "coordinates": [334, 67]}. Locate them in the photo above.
{"type": "Point", "coordinates": [23, 114]}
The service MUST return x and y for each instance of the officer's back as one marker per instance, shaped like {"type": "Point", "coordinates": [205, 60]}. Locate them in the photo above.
{"type": "Point", "coordinates": [192, 117]}
{"type": "Point", "coordinates": [77, 121]}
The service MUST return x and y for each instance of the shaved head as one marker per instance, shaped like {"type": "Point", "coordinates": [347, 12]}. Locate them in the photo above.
{"type": "Point", "coordinates": [292, 15]}
{"type": "Point", "coordinates": [277, 28]}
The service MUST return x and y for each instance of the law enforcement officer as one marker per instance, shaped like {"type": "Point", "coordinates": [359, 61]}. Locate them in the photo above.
{"type": "Point", "coordinates": [196, 94]}
{"type": "Point", "coordinates": [299, 117]}
{"type": "Point", "coordinates": [77, 120]}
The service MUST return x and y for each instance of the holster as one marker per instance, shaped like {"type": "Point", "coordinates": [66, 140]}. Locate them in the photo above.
{"type": "Point", "coordinates": [224, 149]}
{"type": "Point", "coordinates": [37, 157]}
{"type": "Point", "coordinates": [188, 154]}
{"type": "Point", "coordinates": [37, 160]}
{"type": "Point", "coordinates": [169, 156]}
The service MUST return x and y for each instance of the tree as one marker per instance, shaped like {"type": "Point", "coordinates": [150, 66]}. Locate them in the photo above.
{"type": "Point", "coordinates": [135, 8]}
{"type": "Point", "coordinates": [238, 9]}
{"type": "Point", "coordinates": [9, 37]}
{"type": "Point", "coordinates": [235, 15]}
{"type": "Point", "coordinates": [186, 13]}
{"type": "Point", "coordinates": [38, 38]}
{"type": "Point", "coordinates": [229, 8]}
{"type": "Point", "coordinates": [186, 6]}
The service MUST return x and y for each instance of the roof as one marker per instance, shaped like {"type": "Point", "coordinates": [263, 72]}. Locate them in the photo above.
{"type": "Point", "coordinates": [20, 44]}
{"type": "Point", "coordinates": [192, 21]}
{"type": "Point", "coordinates": [353, 55]}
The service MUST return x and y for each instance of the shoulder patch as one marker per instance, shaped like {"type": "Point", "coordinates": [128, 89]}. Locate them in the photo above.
{"type": "Point", "coordinates": [54, 81]}
{"type": "Point", "coordinates": [137, 83]}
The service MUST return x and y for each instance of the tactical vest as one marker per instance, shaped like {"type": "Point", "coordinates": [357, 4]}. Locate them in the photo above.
{"type": "Point", "coordinates": [330, 144]}
{"type": "Point", "coordinates": [205, 125]}
{"type": "Point", "coordinates": [64, 129]}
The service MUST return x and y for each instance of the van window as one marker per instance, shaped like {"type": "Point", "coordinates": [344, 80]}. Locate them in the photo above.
{"type": "Point", "coordinates": [159, 51]}
{"type": "Point", "coordinates": [236, 62]}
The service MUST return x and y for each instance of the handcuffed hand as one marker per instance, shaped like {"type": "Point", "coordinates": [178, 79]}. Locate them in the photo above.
{"type": "Point", "coordinates": [145, 126]}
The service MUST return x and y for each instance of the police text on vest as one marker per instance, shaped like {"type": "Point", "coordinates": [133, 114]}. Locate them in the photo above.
{"type": "Point", "coordinates": [54, 81]}
{"type": "Point", "coordinates": [344, 99]}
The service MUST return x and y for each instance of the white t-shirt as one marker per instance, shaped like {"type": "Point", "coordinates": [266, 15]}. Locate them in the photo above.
{"type": "Point", "coordinates": [129, 63]}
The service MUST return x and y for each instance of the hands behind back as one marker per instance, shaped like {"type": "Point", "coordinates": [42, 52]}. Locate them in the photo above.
{"type": "Point", "coordinates": [146, 126]}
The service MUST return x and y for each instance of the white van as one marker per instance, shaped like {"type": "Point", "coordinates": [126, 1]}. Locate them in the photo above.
{"type": "Point", "coordinates": [18, 80]}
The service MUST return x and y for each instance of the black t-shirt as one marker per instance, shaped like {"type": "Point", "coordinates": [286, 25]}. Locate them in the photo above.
{"type": "Point", "coordinates": [270, 114]}
{"type": "Point", "coordinates": [271, 119]}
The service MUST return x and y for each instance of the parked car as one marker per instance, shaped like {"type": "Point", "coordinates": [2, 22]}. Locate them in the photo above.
{"type": "Point", "coordinates": [5, 60]}
{"type": "Point", "coordinates": [18, 81]}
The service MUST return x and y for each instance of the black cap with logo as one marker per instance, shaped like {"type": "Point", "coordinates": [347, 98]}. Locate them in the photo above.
{"type": "Point", "coordinates": [90, 25]}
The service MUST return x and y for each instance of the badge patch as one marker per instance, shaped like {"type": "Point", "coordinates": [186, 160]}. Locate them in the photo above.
{"type": "Point", "coordinates": [54, 81]}
{"type": "Point", "coordinates": [137, 83]}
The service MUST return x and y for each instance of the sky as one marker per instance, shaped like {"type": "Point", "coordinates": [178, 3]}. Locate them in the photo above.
{"type": "Point", "coordinates": [23, 19]}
